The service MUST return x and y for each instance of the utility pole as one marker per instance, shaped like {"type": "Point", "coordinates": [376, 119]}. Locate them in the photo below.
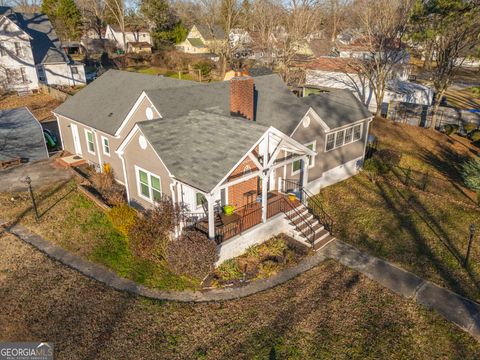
{"type": "Point", "coordinates": [472, 234]}
{"type": "Point", "coordinates": [32, 197]}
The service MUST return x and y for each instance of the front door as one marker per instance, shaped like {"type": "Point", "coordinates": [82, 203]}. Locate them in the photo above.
{"type": "Point", "coordinates": [76, 139]}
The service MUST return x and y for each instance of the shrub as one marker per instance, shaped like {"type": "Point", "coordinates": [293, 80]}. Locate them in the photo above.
{"type": "Point", "coordinates": [150, 233]}
{"type": "Point", "coordinates": [193, 254]}
{"type": "Point", "coordinates": [389, 157]}
{"type": "Point", "coordinates": [451, 129]}
{"type": "Point", "coordinates": [229, 270]}
{"type": "Point", "coordinates": [204, 67]}
{"type": "Point", "coordinates": [122, 218]}
{"type": "Point", "coordinates": [273, 247]}
{"type": "Point", "coordinates": [475, 135]}
{"type": "Point", "coordinates": [105, 184]}
{"type": "Point", "coordinates": [374, 167]}
{"type": "Point", "coordinates": [471, 174]}
{"type": "Point", "coordinates": [469, 127]}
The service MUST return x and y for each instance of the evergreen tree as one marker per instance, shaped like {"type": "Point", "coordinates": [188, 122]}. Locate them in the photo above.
{"type": "Point", "coordinates": [65, 16]}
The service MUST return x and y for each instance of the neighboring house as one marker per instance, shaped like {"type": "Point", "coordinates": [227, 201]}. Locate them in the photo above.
{"type": "Point", "coordinates": [329, 73]}
{"type": "Point", "coordinates": [243, 142]}
{"type": "Point", "coordinates": [133, 34]}
{"type": "Point", "coordinates": [21, 136]}
{"type": "Point", "coordinates": [30, 53]}
{"type": "Point", "coordinates": [139, 47]}
{"type": "Point", "coordinates": [203, 40]}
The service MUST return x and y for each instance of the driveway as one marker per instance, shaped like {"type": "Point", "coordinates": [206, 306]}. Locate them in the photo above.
{"type": "Point", "coordinates": [41, 172]}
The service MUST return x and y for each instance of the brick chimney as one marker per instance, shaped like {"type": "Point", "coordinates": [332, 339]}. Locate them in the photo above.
{"type": "Point", "coordinates": [242, 96]}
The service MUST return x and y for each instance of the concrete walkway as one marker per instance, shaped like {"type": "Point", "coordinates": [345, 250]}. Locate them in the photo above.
{"type": "Point", "coordinates": [109, 278]}
{"type": "Point", "coordinates": [41, 172]}
{"type": "Point", "coordinates": [453, 307]}
{"type": "Point", "coordinates": [461, 311]}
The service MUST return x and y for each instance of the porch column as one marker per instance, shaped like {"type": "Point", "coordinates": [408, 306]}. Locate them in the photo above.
{"type": "Point", "coordinates": [305, 171]}
{"type": "Point", "coordinates": [211, 217]}
{"type": "Point", "coordinates": [265, 196]}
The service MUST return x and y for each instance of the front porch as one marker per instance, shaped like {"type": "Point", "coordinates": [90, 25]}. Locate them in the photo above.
{"type": "Point", "coordinates": [243, 218]}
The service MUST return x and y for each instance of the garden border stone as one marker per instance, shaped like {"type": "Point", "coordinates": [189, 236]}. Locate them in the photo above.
{"type": "Point", "coordinates": [109, 278]}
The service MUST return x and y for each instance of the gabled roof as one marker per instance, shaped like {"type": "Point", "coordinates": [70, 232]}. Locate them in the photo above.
{"type": "Point", "coordinates": [215, 33]}
{"type": "Point", "coordinates": [337, 108]}
{"type": "Point", "coordinates": [275, 105]}
{"type": "Point", "coordinates": [105, 103]}
{"type": "Point", "coordinates": [21, 135]}
{"type": "Point", "coordinates": [198, 43]}
{"type": "Point", "coordinates": [46, 47]}
{"type": "Point", "coordinates": [201, 148]}
{"type": "Point", "coordinates": [335, 64]}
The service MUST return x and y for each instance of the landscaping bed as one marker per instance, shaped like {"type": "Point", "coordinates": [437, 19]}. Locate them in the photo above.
{"type": "Point", "coordinates": [259, 262]}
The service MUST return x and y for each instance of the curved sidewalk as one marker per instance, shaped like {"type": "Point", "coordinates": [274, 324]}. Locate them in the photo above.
{"type": "Point", "coordinates": [109, 278]}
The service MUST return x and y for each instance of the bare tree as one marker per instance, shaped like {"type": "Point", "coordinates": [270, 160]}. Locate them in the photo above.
{"type": "Point", "coordinates": [93, 13]}
{"type": "Point", "coordinates": [382, 25]}
{"type": "Point", "coordinates": [116, 9]}
{"type": "Point", "coordinates": [337, 13]}
{"type": "Point", "coordinates": [450, 28]}
{"type": "Point", "coordinates": [26, 6]}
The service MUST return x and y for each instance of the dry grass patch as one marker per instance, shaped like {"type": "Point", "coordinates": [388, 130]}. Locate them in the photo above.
{"type": "Point", "coordinates": [41, 105]}
{"type": "Point", "coordinates": [329, 312]}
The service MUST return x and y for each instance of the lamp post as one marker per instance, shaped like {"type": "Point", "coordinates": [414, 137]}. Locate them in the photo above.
{"type": "Point", "coordinates": [32, 197]}
{"type": "Point", "coordinates": [472, 234]}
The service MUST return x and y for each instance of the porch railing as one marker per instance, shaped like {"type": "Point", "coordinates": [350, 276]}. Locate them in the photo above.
{"type": "Point", "coordinates": [311, 202]}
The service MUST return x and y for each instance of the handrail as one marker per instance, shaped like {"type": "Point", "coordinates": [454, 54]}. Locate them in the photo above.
{"type": "Point", "coordinates": [317, 210]}
{"type": "Point", "coordinates": [304, 221]}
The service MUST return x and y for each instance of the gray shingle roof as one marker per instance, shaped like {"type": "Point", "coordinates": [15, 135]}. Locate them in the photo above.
{"type": "Point", "coordinates": [45, 43]}
{"type": "Point", "coordinates": [337, 108]}
{"type": "Point", "coordinates": [275, 104]}
{"type": "Point", "coordinates": [21, 135]}
{"type": "Point", "coordinates": [216, 33]}
{"type": "Point", "coordinates": [200, 148]}
{"type": "Point", "coordinates": [105, 103]}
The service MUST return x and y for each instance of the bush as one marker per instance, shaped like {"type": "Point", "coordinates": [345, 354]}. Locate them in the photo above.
{"type": "Point", "coordinates": [105, 184]}
{"type": "Point", "coordinates": [469, 127]}
{"type": "Point", "coordinates": [475, 135]}
{"type": "Point", "coordinates": [193, 254]}
{"type": "Point", "coordinates": [451, 129]}
{"type": "Point", "coordinates": [149, 235]}
{"type": "Point", "coordinates": [205, 67]}
{"type": "Point", "coordinates": [471, 174]}
{"type": "Point", "coordinates": [374, 167]}
{"type": "Point", "coordinates": [122, 218]}
{"type": "Point", "coordinates": [389, 157]}
{"type": "Point", "coordinates": [229, 270]}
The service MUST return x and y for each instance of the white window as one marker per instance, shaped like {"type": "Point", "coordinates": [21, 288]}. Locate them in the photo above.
{"type": "Point", "coordinates": [18, 49]}
{"type": "Point", "coordinates": [24, 75]}
{"type": "Point", "coordinates": [149, 185]}
{"type": "Point", "coordinates": [343, 137]}
{"type": "Point", "coordinates": [90, 141]}
{"type": "Point", "coordinates": [297, 164]}
{"type": "Point", "coordinates": [74, 70]}
{"type": "Point", "coordinates": [106, 146]}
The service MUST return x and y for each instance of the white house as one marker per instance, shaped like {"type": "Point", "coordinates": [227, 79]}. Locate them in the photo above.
{"type": "Point", "coordinates": [339, 73]}
{"type": "Point", "coordinates": [132, 35]}
{"type": "Point", "coordinates": [30, 53]}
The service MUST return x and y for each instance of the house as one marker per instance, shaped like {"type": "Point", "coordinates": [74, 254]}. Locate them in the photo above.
{"type": "Point", "coordinates": [327, 73]}
{"type": "Point", "coordinates": [202, 39]}
{"type": "Point", "coordinates": [139, 47]}
{"type": "Point", "coordinates": [21, 136]}
{"type": "Point", "coordinates": [244, 142]}
{"type": "Point", "coordinates": [133, 34]}
{"type": "Point", "coordinates": [30, 53]}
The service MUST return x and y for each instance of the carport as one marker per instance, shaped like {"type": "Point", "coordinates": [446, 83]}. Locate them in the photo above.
{"type": "Point", "coordinates": [21, 136]}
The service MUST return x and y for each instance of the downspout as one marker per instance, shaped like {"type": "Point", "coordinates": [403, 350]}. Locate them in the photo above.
{"type": "Point", "coordinates": [98, 150]}
{"type": "Point", "coordinates": [120, 155]}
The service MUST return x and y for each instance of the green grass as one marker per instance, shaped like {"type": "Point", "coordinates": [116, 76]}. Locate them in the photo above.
{"type": "Point", "coordinates": [78, 225]}
{"type": "Point", "coordinates": [421, 232]}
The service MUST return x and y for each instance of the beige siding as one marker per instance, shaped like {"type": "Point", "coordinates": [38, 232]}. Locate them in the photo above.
{"type": "Point", "coordinates": [148, 160]}
{"type": "Point", "coordinates": [324, 161]}
{"type": "Point", "coordinates": [100, 157]}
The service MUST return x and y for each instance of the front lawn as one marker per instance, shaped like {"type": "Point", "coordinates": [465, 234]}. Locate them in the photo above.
{"type": "Point", "coordinates": [74, 222]}
{"type": "Point", "coordinates": [425, 232]}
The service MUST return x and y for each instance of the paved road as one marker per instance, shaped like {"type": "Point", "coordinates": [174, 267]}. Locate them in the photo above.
{"type": "Point", "coordinates": [41, 172]}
